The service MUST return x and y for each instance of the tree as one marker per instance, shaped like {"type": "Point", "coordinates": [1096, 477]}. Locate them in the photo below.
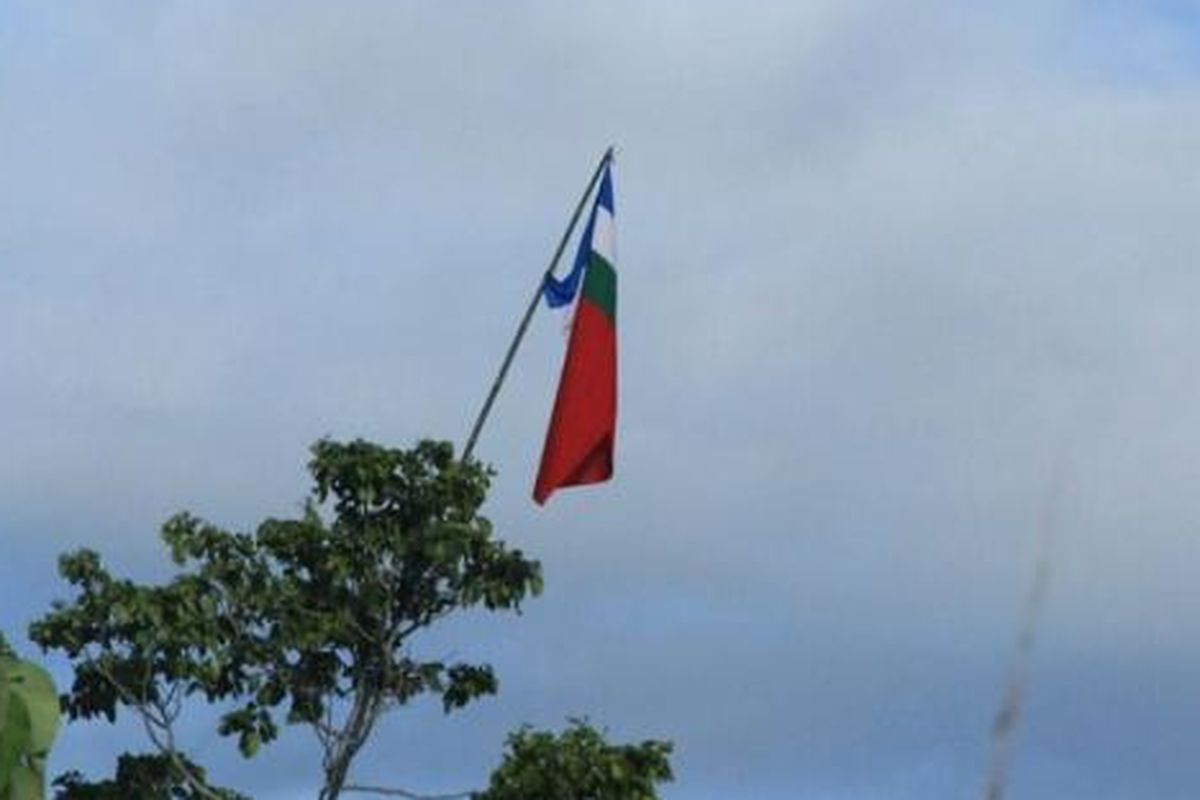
{"type": "Point", "coordinates": [29, 719]}
{"type": "Point", "coordinates": [145, 777]}
{"type": "Point", "coordinates": [308, 621]}
{"type": "Point", "coordinates": [578, 764]}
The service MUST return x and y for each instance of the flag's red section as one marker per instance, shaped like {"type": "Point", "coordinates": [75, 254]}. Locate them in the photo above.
{"type": "Point", "coordinates": [579, 441]}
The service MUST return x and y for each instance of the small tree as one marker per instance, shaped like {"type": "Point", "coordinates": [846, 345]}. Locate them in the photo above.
{"type": "Point", "coordinates": [145, 777]}
{"type": "Point", "coordinates": [308, 621]}
{"type": "Point", "coordinates": [578, 764]}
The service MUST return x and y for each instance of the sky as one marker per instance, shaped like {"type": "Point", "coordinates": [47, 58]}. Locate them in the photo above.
{"type": "Point", "coordinates": [889, 274]}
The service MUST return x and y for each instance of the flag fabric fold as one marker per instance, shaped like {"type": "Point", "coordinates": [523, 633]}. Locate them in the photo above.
{"type": "Point", "coordinates": [580, 438]}
{"type": "Point", "coordinates": [561, 291]}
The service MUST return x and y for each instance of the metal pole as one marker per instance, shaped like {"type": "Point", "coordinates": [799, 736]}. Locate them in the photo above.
{"type": "Point", "coordinates": [533, 304]}
{"type": "Point", "coordinates": [1013, 702]}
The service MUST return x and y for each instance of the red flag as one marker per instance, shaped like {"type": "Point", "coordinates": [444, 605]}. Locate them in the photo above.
{"type": "Point", "coordinates": [579, 440]}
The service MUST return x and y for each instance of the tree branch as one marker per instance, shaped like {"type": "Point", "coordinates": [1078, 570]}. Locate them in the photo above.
{"type": "Point", "coordinates": [153, 725]}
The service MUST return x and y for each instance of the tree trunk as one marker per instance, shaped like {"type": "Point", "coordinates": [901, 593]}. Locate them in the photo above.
{"type": "Point", "coordinates": [358, 728]}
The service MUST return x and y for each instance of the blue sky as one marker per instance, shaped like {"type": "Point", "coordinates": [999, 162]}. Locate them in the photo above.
{"type": "Point", "coordinates": [880, 263]}
{"type": "Point", "coordinates": [1151, 42]}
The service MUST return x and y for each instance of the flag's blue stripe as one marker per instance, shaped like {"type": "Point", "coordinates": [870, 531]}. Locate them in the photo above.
{"type": "Point", "coordinates": [604, 198]}
{"type": "Point", "coordinates": [560, 292]}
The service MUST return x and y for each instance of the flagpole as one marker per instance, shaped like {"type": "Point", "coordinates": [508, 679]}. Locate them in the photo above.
{"type": "Point", "coordinates": [533, 304]}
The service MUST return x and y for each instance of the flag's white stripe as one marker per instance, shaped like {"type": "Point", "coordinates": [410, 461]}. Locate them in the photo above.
{"type": "Point", "coordinates": [604, 235]}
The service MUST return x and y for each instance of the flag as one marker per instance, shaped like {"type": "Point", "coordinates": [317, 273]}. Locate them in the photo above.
{"type": "Point", "coordinates": [579, 439]}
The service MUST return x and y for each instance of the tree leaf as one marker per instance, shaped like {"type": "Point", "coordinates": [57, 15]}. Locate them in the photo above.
{"type": "Point", "coordinates": [35, 688]}
{"type": "Point", "coordinates": [28, 783]}
{"type": "Point", "coordinates": [14, 739]}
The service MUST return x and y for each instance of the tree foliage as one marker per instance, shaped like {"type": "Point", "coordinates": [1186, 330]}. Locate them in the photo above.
{"type": "Point", "coordinates": [29, 720]}
{"type": "Point", "coordinates": [578, 764]}
{"type": "Point", "coordinates": [145, 777]}
{"type": "Point", "coordinates": [308, 621]}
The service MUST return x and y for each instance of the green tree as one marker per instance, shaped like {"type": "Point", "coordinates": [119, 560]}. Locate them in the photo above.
{"type": "Point", "coordinates": [578, 764]}
{"type": "Point", "coordinates": [308, 621]}
{"type": "Point", "coordinates": [29, 719]}
{"type": "Point", "coordinates": [145, 777]}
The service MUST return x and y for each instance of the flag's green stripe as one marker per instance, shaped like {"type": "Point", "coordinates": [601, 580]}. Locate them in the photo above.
{"type": "Point", "coordinates": [600, 286]}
